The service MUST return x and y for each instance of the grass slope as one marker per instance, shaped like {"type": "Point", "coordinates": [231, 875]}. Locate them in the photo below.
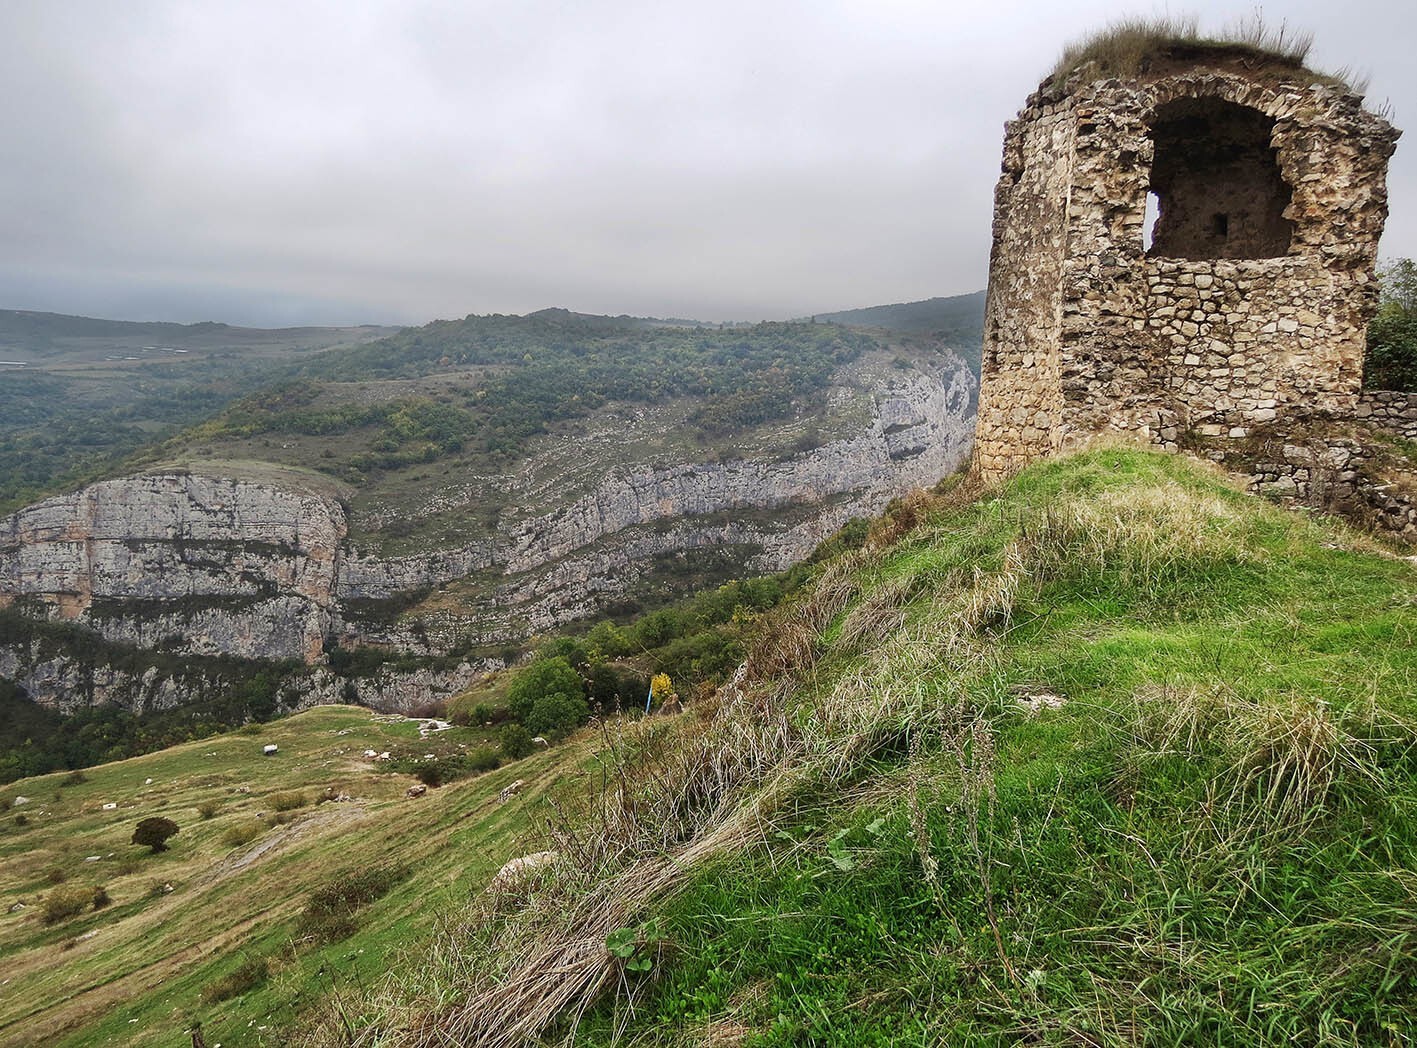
{"type": "Point", "coordinates": [1112, 755]}
{"type": "Point", "coordinates": [140, 970]}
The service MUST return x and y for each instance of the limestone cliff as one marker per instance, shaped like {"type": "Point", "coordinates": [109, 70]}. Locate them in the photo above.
{"type": "Point", "coordinates": [262, 566]}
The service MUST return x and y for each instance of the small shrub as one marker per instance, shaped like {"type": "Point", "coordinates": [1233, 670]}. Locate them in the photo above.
{"type": "Point", "coordinates": [56, 875]}
{"type": "Point", "coordinates": [157, 889]}
{"type": "Point", "coordinates": [288, 801]}
{"type": "Point", "coordinates": [516, 742]}
{"type": "Point", "coordinates": [557, 714]}
{"type": "Point", "coordinates": [329, 915]}
{"type": "Point", "coordinates": [254, 728]}
{"type": "Point", "coordinates": [208, 809]}
{"type": "Point", "coordinates": [74, 778]}
{"type": "Point", "coordinates": [22, 820]}
{"type": "Point", "coordinates": [249, 974]}
{"type": "Point", "coordinates": [242, 833]}
{"type": "Point", "coordinates": [478, 715]}
{"type": "Point", "coordinates": [153, 832]}
{"type": "Point", "coordinates": [100, 897]}
{"type": "Point", "coordinates": [127, 866]}
{"type": "Point", "coordinates": [66, 902]}
{"type": "Point", "coordinates": [484, 758]}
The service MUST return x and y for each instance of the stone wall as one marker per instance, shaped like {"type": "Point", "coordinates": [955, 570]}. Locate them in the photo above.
{"type": "Point", "coordinates": [1334, 474]}
{"type": "Point", "coordinates": [1095, 332]}
{"type": "Point", "coordinates": [1394, 413]}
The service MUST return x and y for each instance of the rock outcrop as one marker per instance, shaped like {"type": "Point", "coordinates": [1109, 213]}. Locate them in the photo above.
{"type": "Point", "coordinates": [206, 565]}
{"type": "Point", "coordinates": [193, 565]}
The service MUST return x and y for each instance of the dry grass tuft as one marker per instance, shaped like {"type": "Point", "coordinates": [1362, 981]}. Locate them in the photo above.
{"type": "Point", "coordinates": [1282, 758]}
{"type": "Point", "coordinates": [1137, 45]}
{"type": "Point", "coordinates": [1149, 532]}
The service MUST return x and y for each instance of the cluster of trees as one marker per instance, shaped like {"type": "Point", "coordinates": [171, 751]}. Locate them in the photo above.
{"type": "Point", "coordinates": [1392, 335]}
{"type": "Point", "coordinates": [35, 740]}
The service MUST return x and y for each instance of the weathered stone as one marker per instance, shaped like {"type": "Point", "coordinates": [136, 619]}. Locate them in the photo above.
{"type": "Point", "coordinates": [1260, 269]}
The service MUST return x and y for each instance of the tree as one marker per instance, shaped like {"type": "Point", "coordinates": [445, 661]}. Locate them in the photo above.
{"type": "Point", "coordinates": [153, 832]}
{"type": "Point", "coordinates": [1392, 335]}
{"type": "Point", "coordinates": [660, 688]}
{"type": "Point", "coordinates": [544, 677]}
{"type": "Point", "coordinates": [516, 741]}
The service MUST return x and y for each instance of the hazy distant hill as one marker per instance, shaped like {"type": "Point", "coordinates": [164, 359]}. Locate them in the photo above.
{"type": "Point", "coordinates": [957, 319]}
{"type": "Point", "coordinates": [77, 394]}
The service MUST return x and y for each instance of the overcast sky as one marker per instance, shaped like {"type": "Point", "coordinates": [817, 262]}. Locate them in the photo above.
{"type": "Point", "coordinates": [340, 162]}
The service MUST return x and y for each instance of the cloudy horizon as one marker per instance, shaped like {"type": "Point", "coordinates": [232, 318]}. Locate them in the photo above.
{"type": "Point", "coordinates": [316, 162]}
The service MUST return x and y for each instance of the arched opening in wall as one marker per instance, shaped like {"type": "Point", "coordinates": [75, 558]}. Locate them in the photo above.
{"type": "Point", "coordinates": [1218, 187]}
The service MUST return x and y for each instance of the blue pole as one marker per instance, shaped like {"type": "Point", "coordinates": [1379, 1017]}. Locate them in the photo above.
{"type": "Point", "coordinates": [650, 697]}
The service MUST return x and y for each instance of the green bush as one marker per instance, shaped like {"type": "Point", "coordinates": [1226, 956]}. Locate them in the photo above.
{"type": "Point", "coordinates": [484, 758]}
{"type": "Point", "coordinates": [542, 679]}
{"type": "Point", "coordinates": [557, 714]}
{"type": "Point", "coordinates": [208, 809]}
{"type": "Point", "coordinates": [153, 833]}
{"type": "Point", "coordinates": [288, 800]}
{"type": "Point", "coordinates": [74, 778]}
{"type": "Point", "coordinates": [249, 974]}
{"type": "Point", "coordinates": [100, 897]}
{"type": "Point", "coordinates": [243, 833]}
{"type": "Point", "coordinates": [330, 914]}
{"type": "Point", "coordinates": [516, 742]}
{"type": "Point", "coordinates": [1392, 335]}
{"type": "Point", "coordinates": [66, 902]}
{"type": "Point", "coordinates": [56, 875]}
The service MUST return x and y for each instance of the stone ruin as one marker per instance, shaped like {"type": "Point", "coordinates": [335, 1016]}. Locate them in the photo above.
{"type": "Point", "coordinates": [1245, 305]}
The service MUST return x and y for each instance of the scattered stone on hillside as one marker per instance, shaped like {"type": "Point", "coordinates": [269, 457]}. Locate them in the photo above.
{"type": "Point", "coordinates": [18, 801]}
{"type": "Point", "coordinates": [510, 791]}
{"type": "Point", "coordinates": [110, 806]}
{"type": "Point", "coordinates": [517, 871]}
{"type": "Point", "coordinates": [270, 750]}
{"type": "Point", "coordinates": [1043, 700]}
{"type": "Point", "coordinates": [538, 740]}
{"type": "Point", "coordinates": [416, 790]}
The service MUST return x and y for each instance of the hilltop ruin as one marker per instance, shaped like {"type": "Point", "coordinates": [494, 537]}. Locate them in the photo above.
{"type": "Point", "coordinates": [1186, 252]}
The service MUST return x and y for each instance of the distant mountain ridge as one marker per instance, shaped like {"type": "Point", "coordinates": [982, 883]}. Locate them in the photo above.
{"type": "Point", "coordinates": [958, 317]}
{"type": "Point", "coordinates": [451, 489]}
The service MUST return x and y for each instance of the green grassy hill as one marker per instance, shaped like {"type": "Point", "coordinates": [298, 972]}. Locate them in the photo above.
{"type": "Point", "coordinates": [210, 930]}
{"type": "Point", "coordinates": [1113, 754]}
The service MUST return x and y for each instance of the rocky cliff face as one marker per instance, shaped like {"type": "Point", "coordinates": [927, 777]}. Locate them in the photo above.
{"type": "Point", "coordinates": [208, 565]}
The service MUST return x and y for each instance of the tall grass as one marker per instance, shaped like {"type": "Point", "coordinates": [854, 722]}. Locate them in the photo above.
{"type": "Point", "coordinates": [1108, 867]}
{"type": "Point", "coordinates": [1131, 45]}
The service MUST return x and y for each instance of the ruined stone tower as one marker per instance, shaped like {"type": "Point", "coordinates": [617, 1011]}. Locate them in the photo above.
{"type": "Point", "coordinates": [1249, 304]}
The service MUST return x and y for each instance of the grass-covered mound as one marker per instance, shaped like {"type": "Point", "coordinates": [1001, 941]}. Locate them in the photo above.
{"type": "Point", "coordinates": [1113, 755]}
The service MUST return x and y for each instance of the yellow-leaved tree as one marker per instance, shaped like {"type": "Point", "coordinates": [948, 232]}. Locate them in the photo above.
{"type": "Point", "coordinates": [660, 688]}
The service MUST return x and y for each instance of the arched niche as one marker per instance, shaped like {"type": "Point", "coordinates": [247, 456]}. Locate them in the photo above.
{"type": "Point", "coordinates": [1219, 191]}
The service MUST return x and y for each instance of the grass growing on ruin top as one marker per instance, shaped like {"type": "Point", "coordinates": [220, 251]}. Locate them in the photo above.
{"type": "Point", "coordinates": [1137, 46]}
{"type": "Point", "coordinates": [1113, 754]}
